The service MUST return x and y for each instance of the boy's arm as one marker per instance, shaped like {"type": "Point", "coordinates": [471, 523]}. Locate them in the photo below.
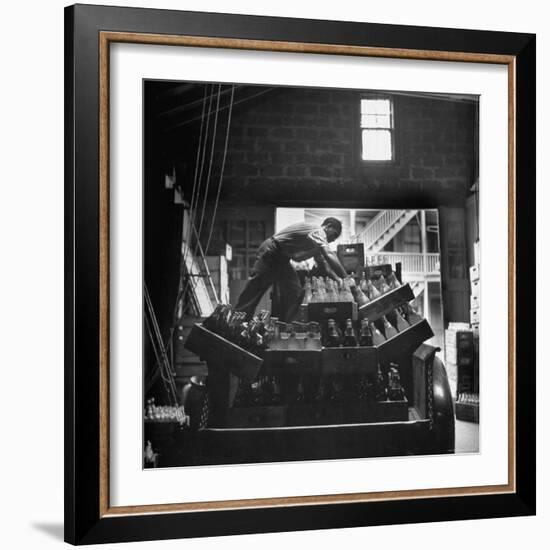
{"type": "Point", "coordinates": [330, 262]}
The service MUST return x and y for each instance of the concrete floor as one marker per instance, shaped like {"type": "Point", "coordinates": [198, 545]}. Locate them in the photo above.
{"type": "Point", "coordinates": [466, 437]}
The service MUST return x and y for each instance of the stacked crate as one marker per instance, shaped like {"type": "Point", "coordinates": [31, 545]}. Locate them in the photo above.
{"type": "Point", "coordinates": [299, 369]}
{"type": "Point", "coordinates": [474, 290]}
{"type": "Point", "coordinates": [451, 359]}
{"type": "Point", "coordinates": [461, 358]}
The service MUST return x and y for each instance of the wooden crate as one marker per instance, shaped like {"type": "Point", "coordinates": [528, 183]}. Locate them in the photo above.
{"type": "Point", "coordinates": [339, 311]}
{"type": "Point", "coordinates": [469, 412]}
{"type": "Point", "coordinates": [351, 256]}
{"type": "Point", "coordinates": [386, 303]}
{"type": "Point", "coordinates": [219, 352]}
{"type": "Point", "coordinates": [291, 362]}
{"type": "Point", "coordinates": [375, 271]}
{"type": "Point", "coordinates": [405, 342]}
{"type": "Point", "coordinates": [350, 360]}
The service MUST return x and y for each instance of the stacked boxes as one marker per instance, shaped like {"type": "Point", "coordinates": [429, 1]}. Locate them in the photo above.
{"type": "Point", "coordinates": [474, 290]}
{"type": "Point", "coordinates": [451, 355]}
{"type": "Point", "coordinates": [461, 357]}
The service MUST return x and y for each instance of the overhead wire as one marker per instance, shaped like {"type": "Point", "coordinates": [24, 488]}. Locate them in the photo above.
{"type": "Point", "coordinates": [222, 169]}
{"type": "Point", "coordinates": [191, 280]}
{"type": "Point", "coordinates": [200, 154]}
{"type": "Point", "coordinates": [159, 349]}
{"type": "Point", "coordinates": [183, 257]}
{"type": "Point", "coordinates": [194, 205]}
{"type": "Point", "coordinates": [208, 177]}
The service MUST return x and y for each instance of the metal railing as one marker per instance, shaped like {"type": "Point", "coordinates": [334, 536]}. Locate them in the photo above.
{"type": "Point", "coordinates": [413, 262]}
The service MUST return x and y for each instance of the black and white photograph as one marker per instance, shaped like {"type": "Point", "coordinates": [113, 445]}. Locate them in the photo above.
{"type": "Point", "coordinates": [243, 296]}
{"type": "Point", "coordinates": [310, 273]}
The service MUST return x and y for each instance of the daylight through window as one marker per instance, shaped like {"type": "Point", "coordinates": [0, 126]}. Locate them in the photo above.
{"type": "Point", "coordinates": [376, 129]}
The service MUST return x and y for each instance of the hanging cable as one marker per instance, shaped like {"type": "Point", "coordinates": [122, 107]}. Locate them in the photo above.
{"type": "Point", "coordinates": [183, 254]}
{"type": "Point", "coordinates": [194, 205]}
{"type": "Point", "coordinates": [191, 280]}
{"type": "Point", "coordinates": [209, 168]}
{"type": "Point", "coordinates": [165, 369]}
{"type": "Point", "coordinates": [221, 169]}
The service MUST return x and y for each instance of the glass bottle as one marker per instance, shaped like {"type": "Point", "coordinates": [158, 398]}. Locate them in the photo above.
{"type": "Point", "coordinates": [365, 337]}
{"type": "Point", "coordinates": [342, 294]}
{"type": "Point", "coordinates": [284, 335]}
{"type": "Point", "coordinates": [363, 283]}
{"type": "Point", "coordinates": [350, 340]}
{"type": "Point", "coordinates": [373, 292]}
{"type": "Point", "coordinates": [377, 337]}
{"type": "Point", "coordinates": [395, 389]}
{"type": "Point", "coordinates": [401, 323]}
{"type": "Point", "coordinates": [392, 281]}
{"type": "Point", "coordinates": [389, 329]}
{"type": "Point", "coordinates": [412, 315]}
{"type": "Point", "coordinates": [383, 285]}
{"type": "Point", "coordinates": [307, 291]}
{"type": "Point", "coordinates": [333, 337]}
{"type": "Point", "coordinates": [313, 340]}
{"type": "Point", "coordinates": [358, 294]}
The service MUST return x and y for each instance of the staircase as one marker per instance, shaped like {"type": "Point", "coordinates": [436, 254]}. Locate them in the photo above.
{"type": "Point", "coordinates": [383, 228]}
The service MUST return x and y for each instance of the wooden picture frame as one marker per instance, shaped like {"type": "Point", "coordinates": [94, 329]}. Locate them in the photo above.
{"type": "Point", "coordinates": [89, 517]}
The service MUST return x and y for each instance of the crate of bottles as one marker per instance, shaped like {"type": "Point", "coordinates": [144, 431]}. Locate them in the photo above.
{"type": "Point", "coordinates": [406, 341]}
{"type": "Point", "coordinates": [375, 271]}
{"type": "Point", "coordinates": [340, 311]}
{"type": "Point", "coordinates": [284, 362]}
{"type": "Point", "coordinates": [325, 299]}
{"type": "Point", "coordinates": [351, 256]}
{"type": "Point", "coordinates": [219, 351]}
{"type": "Point", "coordinates": [350, 360]}
{"type": "Point", "coordinates": [467, 407]}
{"type": "Point", "coordinates": [386, 303]}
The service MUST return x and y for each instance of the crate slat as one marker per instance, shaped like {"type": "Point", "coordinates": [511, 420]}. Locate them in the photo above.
{"type": "Point", "coordinates": [339, 311]}
{"type": "Point", "coordinates": [291, 362]}
{"type": "Point", "coordinates": [221, 353]}
{"type": "Point", "coordinates": [405, 342]}
{"type": "Point", "coordinates": [347, 360]}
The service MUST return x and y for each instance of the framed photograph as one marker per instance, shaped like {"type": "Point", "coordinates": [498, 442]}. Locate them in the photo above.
{"type": "Point", "coordinates": [299, 278]}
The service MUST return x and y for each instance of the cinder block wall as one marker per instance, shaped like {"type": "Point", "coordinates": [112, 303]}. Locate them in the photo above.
{"type": "Point", "coordinates": [303, 146]}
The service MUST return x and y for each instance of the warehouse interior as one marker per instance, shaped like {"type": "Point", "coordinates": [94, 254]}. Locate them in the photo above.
{"type": "Point", "coordinates": [226, 166]}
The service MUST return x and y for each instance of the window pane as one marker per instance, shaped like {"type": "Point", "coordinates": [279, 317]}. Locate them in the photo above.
{"type": "Point", "coordinates": [237, 236]}
{"type": "Point", "coordinates": [256, 233]}
{"type": "Point", "coordinates": [375, 106]}
{"type": "Point", "coordinates": [375, 121]}
{"type": "Point", "coordinates": [377, 145]}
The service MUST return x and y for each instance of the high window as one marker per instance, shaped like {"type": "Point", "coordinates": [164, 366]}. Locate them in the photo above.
{"type": "Point", "coordinates": [377, 132]}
